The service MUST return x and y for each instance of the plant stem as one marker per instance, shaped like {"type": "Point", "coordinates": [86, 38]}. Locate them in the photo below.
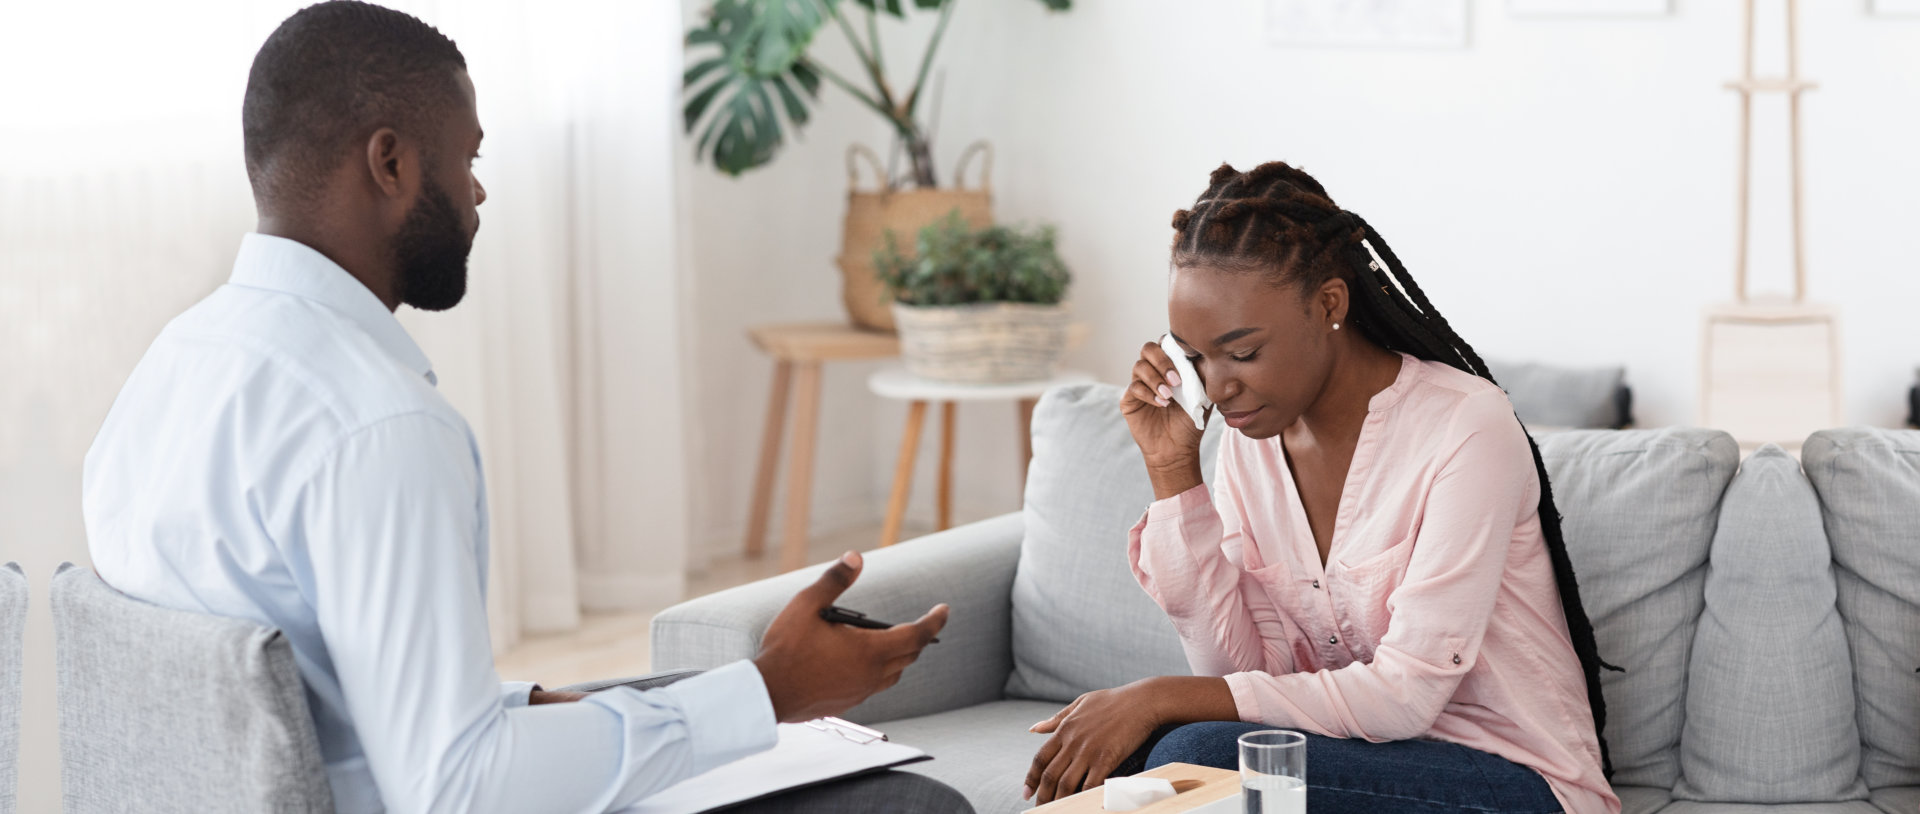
{"type": "Point", "coordinates": [849, 87]}
{"type": "Point", "coordinates": [866, 59]}
{"type": "Point", "coordinates": [926, 60]}
{"type": "Point", "coordinates": [873, 38]}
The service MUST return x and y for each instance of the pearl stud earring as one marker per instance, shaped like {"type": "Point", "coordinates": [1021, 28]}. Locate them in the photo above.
{"type": "Point", "coordinates": [1336, 326]}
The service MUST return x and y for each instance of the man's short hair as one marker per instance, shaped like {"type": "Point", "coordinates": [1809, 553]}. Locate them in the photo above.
{"type": "Point", "coordinates": [327, 78]}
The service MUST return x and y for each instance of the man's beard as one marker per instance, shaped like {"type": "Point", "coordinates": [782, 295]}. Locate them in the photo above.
{"type": "Point", "coordinates": [431, 251]}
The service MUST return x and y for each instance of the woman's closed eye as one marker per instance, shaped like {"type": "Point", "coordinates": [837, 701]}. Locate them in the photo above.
{"type": "Point", "coordinates": [1194, 358]}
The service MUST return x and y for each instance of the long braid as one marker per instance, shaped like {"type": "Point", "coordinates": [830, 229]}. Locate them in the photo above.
{"type": "Point", "coordinates": [1293, 225]}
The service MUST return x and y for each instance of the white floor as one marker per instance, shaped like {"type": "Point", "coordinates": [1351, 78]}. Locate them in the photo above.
{"type": "Point", "coordinates": [616, 645]}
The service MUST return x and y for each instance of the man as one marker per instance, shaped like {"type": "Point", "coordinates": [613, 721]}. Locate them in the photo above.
{"type": "Point", "coordinates": [281, 455]}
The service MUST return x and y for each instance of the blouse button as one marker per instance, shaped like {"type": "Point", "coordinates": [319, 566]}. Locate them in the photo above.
{"type": "Point", "coordinates": [1333, 640]}
{"type": "Point", "coordinates": [1316, 583]}
{"type": "Point", "coordinates": [1456, 658]}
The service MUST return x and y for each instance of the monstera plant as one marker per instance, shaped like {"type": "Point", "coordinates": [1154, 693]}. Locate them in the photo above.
{"type": "Point", "coordinates": [761, 73]}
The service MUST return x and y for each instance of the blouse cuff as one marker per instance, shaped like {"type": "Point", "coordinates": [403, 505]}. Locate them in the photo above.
{"type": "Point", "coordinates": [1173, 508]}
{"type": "Point", "coordinates": [1245, 697]}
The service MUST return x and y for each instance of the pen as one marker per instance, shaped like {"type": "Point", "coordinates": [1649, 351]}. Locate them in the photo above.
{"type": "Point", "coordinates": [872, 734]}
{"type": "Point", "coordinates": [842, 616]}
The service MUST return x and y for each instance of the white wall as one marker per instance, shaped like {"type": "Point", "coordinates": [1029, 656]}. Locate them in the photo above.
{"type": "Point", "coordinates": [1563, 188]}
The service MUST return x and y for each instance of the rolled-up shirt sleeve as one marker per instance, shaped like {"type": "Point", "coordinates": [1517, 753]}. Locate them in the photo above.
{"type": "Point", "coordinates": [1186, 552]}
{"type": "Point", "coordinates": [393, 543]}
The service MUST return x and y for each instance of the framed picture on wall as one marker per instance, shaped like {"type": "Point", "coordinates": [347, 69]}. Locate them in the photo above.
{"type": "Point", "coordinates": [1589, 8]}
{"type": "Point", "coordinates": [1367, 23]}
{"type": "Point", "coordinates": [1894, 8]}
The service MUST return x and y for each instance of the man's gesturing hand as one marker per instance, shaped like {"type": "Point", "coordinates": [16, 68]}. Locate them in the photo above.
{"type": "Point", "coordinates": [814, 668]}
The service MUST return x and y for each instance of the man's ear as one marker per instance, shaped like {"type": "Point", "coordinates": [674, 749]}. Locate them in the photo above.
{"type": "Point", "coordinates": [385, 159]}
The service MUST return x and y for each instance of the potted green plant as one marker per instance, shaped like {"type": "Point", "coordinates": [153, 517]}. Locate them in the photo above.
{"type": "Point", "coordinates": [762, 57]}
{"type": "Point", "coordinates": [978, 305]}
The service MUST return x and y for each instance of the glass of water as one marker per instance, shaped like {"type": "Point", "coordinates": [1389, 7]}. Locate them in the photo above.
{"type": "Point", "coordinates": [1273, 772]}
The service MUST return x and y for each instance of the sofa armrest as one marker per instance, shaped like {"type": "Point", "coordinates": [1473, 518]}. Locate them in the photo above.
{"type": "Point", "coordinates": [970, 568]}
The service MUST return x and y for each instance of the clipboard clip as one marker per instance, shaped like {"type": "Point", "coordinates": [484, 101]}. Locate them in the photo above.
{"type": "Point", "coordinates": [848, 729]}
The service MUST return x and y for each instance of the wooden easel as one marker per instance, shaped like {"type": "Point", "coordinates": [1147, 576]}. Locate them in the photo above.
{"type": "Point", "coordinates": [1770, 366]}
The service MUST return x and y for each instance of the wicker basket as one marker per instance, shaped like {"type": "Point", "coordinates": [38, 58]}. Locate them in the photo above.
{"type": "Point", "coordinates": [871, 214]}
{"type": "Point", "coordinates": [982, 343]}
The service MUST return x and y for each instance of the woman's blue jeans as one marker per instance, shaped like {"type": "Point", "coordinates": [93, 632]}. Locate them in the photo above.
{"type": "Point", "coordinates": [1406, 777]}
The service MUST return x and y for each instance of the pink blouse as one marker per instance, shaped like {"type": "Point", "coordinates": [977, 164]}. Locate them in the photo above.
{"type": "Point", "coordinates": [1436, 615]}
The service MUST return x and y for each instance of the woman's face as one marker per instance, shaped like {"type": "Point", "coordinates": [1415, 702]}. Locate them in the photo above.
{"type": "Point", "coordinates": [1263, 351]}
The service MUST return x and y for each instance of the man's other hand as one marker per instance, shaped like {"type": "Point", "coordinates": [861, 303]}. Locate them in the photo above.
{"type": "Point", "coordinates": [813, 668]}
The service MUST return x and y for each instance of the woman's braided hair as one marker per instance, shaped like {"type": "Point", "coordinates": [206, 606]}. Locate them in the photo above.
{"type": "Point", "coordinates": [1278, 220]}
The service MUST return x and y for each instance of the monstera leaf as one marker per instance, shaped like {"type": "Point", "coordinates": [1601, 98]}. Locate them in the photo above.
{"type": "Point", "coordinates": [761, 43]}
{"type": "Point", "coordinates": [737, 97]}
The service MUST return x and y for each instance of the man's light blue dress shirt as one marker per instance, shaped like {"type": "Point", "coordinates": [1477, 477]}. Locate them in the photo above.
{"type": "Point", "coordinates": [281, 455]}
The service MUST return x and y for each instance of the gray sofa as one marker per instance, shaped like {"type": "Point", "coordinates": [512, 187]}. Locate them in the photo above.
{"type": "Point", "coordinates": [1768, 620]}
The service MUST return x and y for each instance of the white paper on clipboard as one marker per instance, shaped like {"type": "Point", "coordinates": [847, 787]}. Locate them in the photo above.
{"type": "Point", "coordinates": [804, 756]}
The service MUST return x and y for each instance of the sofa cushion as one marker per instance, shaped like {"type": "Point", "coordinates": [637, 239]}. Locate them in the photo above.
{"type": "Point", "coordinates": [1691, 807]}
{"type": "Point", "coordinates": [1638, 509]}
{"type": "Point", "coordinates": [1080, 621]}
{"type": "Point", "coordinates": [1641, 799]}
{"type": "Point", "coordinates": [1565, 397]}
{"type": "Point", "coordinates": [1868, 481]}
{"type": "Point", "coordinates": [1770, 714]}
{"type": "Point", "coordinates": [1897, 799]}
{"type": "Point", "coordinates": [983, 751]}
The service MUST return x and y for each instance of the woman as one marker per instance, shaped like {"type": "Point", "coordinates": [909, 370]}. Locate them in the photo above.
{"type": "Point", "coordinates": [1379, 564]}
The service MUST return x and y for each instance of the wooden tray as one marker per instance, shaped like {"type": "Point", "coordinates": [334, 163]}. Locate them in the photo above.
{"type": "Point", "coordinates": [1194, 786]}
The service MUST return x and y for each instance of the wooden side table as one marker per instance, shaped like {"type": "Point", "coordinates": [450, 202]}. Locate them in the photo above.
{"type": "Point", "coordinates": [897, 383]}
{"type": "Point", "coordinates": [800, 349]}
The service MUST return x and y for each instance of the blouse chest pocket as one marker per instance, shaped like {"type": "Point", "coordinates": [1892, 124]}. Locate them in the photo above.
{"type": "Point", "coordinates": [1360, 590]}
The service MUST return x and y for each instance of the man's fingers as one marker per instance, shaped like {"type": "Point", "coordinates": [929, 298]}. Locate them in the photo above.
{"type": "Point", "coordinates": [912, 637]}
{"type": "Point", "coordinates": [835, 581]}
{"type": "Point", "coordinates": [933, 620]}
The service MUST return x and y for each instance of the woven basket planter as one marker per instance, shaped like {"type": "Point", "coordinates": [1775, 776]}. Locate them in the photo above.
{"type": "Point", "coordinates": [873, 213]}
{"type": "Point", "coordinates": [982, 343]}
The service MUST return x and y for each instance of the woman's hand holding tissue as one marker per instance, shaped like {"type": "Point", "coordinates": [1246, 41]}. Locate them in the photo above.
{"type": "Point", "coordinates": [1167, 436]}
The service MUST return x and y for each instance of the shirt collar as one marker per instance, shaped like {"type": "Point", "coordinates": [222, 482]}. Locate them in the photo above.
{"type": "Point", "coordinates": [291, 267]}
{"type": "Point", "coordinates": [1402, 382]}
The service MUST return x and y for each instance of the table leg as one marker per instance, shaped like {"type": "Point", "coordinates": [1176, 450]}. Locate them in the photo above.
{"type": "Point", "coordinates": [769, 459]}
{"type": "Point", "coordinates": [1026, 440]}
{"type": "Point", "coordinates": [946, 466]}
{"type": "Point", "coordinates": [806, 420]}
{"type": "Point", "coordinates": [903, 474]}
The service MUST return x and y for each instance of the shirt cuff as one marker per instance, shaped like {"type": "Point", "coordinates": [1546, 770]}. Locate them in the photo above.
{"type": "Point", "coordinates": [1173, 508]}
{"type": "Point", "coordinates": [727, 712]}
{"type": "Point", "coordinates": [1246, 699]}
{"type": "Point", "coordinates": [516, 693]}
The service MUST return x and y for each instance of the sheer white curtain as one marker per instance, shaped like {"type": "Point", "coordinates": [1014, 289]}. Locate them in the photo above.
{"type": "Point", "coordinates": [122, 200]}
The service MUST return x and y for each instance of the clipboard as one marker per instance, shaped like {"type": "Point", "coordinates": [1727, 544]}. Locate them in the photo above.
{"type": "Point", "coordinates": [806, 755]}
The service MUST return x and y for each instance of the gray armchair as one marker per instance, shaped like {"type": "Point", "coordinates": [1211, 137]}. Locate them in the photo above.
{"type": "Point", "coordinates": [163, 710]}
{"type": "Point", "coordinates": [13, 623]}
{"type": "Point", "coordinates": [170, 711]}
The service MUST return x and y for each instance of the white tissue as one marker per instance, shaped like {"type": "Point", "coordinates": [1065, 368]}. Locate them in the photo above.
{"type": "Point", "coordinates": [1129, 793]}
{"type": "Point", "coordinates": [1191, 395]}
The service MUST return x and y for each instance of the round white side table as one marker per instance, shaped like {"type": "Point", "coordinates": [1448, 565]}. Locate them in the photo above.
{"type": "Point", "coordinates": [897, 383]}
